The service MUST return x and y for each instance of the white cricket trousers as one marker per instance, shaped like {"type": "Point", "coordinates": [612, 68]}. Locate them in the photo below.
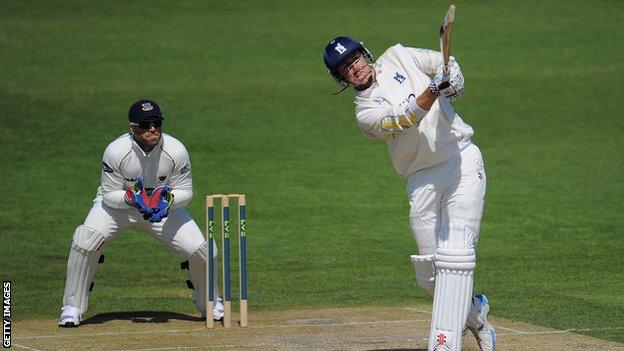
{"type": "Point", "coordinates": [178, 231]}
{"type": "Point", "coordinates": [451, 193]}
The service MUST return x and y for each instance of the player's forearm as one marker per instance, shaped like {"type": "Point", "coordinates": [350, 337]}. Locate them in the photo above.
{"type": "Point", "coordinates": [115, 199]}
{"type": "Point", "coordinates": [181, 197]}
{"type": "Point", "coordinates": [182, 187]}
{"type": "Point", "coordinates": [113, 192]}
{"type": "Point", "coordinates": [426, 100]}
{"type": "Point", "coordinates": [392, 119]}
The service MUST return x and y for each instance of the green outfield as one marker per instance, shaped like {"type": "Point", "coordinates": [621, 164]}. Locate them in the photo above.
{"type": "Point", "coordinates": [242, 84]}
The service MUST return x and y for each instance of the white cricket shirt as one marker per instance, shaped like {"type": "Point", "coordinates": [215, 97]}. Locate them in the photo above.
{"type": "Point", "coordinates": [124, 161]}
{"type": "Point", "coordinates": [441, 133]}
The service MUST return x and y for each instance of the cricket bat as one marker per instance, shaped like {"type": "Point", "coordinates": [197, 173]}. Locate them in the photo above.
{"type": "Point", "coordinates": [445, 36]}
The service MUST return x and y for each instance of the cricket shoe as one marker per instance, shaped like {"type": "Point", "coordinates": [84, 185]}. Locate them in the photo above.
{"type": "Point", "coordinates": [70, 317]}
{"type": "Point", "coordinates": [217, 310]}
{"type": "Point", "coordinates": [479, 325]}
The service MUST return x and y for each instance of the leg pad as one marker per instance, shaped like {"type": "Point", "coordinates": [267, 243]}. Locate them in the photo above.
{"type": "Point", "coordinates": [82, 263]}
{"type": "Point", "coordinates": [452, 299]}
{"type": "Point", "coordinates": [197, 272]}
{"type": "Point", "coordinates": [425, 272]}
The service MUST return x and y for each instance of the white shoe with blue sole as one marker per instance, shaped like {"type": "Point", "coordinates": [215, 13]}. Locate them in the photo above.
{"type": "Point", "coordinates": [479, 325]}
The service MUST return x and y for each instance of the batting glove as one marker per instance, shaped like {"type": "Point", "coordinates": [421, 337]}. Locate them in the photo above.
{"type": "Point", "coordinates": [450, 86]}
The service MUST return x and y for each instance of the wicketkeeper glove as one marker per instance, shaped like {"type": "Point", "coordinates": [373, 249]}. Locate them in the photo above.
{"type": "Point", "coordinates": [160, 201]}
{"type": "Point", "coordinates": [137, 197]}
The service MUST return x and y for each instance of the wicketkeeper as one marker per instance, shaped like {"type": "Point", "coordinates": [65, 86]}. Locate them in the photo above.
{"type": "Point", "coordinates": [405, 99]}
{"type": "Point", "coordinates": [146, 182]}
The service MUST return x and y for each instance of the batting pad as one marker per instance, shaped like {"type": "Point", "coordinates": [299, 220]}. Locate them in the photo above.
{"type": "Point", "coordinates": [425, 272]}
{"type": "Point", "coordinates": [455, 260]}
{"type": "Point", "coordinates": [81, 266]}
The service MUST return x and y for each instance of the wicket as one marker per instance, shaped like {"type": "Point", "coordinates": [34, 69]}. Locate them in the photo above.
{"type": "Point", "coordinates": [225, 249]}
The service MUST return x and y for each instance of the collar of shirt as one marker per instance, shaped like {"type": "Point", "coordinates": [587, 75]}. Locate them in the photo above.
{"type": "Point", "coordinates": [140, 151]}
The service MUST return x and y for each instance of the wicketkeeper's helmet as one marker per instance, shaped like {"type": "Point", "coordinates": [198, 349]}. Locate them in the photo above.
{"type": "Point", "coordinates": [339, 50]}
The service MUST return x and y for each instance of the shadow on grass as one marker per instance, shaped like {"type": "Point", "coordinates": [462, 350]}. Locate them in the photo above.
{"type": "Point", "coordinates": [140, 317]}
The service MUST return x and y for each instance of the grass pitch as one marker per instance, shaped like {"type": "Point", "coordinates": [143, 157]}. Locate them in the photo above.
{"type": "Point", "coordinates": [355, 328]}
{"type": "Point", "coordinates": [243, 86]}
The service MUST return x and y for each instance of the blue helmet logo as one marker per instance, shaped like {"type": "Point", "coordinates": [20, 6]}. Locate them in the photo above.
{"type": "Point", "coordinates": [339, 50]}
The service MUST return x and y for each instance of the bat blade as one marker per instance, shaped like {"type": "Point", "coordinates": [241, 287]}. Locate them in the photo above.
{"type": "Point", "coordinates": [445, 36]}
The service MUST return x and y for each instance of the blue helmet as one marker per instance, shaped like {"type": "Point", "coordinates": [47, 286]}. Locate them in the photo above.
{"type": "Point", "coordinates": [339, 50]}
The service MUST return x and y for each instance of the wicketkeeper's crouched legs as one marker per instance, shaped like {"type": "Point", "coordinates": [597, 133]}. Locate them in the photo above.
{"type": "Point", "coordinates": [84, 255]}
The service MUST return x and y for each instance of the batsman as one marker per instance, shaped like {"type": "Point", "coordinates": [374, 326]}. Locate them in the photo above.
{"type": "Point", "coordinates": [405, 99]}
{"type": "Point", "coordinates": [146, 182]}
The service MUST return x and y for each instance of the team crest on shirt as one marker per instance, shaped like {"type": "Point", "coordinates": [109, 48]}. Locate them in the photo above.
{"type": "Point", "coordinates": [399, 78]}
{"type": "Point", "coordinates": [162, 178]}
{"type": "Point", "coordinates": [147, 106]}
